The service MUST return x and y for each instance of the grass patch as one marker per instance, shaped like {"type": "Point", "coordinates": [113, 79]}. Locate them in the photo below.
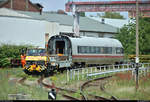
{"type": "Point", "coordinates": [125, 89]}
{"type": "Point", "coordinates": [121, 88]}
{"type": "Point", "coordinates": [8, 87]}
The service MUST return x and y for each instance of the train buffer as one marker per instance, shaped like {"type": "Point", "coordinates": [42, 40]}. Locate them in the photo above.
{"type": "Point", "coordinates": [106, 72]}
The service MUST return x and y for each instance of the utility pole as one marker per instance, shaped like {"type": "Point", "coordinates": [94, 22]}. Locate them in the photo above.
{"type": "Point", "coordinates": [76, 28]}
{"type": "Point", "coordinates": [137, 44]}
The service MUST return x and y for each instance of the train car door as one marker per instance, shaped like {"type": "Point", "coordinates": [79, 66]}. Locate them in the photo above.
{"type": "Point", "coordinates": [60, 47]}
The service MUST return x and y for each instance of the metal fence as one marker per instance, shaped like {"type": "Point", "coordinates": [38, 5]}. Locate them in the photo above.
{"type": "Point", "coordinates": [84, 73]}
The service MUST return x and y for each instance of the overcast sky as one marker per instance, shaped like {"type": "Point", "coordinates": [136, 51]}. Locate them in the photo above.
{"type": "Point", "coordinates": [51, 5]}
{"type": "Point", "coordinates": [54, 5]}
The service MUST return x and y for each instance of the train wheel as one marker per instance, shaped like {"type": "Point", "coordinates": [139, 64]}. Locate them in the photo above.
{"type": "Point", "coordinates": [74, 67]}
{"type": "Point", "coordinates": [48, 72]}
{"type": "Point", "coordinates": [61, 70]}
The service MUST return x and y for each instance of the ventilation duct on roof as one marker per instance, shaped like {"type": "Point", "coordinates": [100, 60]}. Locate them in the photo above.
{"type": "Point", "coordinates": [103, 21]}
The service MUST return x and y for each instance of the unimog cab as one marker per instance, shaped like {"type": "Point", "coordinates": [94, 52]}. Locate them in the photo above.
{"type": "Point", "coordinates": [35, 61]}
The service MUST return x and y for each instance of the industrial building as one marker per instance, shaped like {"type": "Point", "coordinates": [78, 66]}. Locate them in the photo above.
{"type": "Point", "coordinates": [88, 27]}
{"type": "Point", "coordinates": [22, 27]}
{"type": "Point", "coordinates": [25, 23]}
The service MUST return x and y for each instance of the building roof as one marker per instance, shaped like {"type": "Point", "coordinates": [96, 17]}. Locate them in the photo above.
{"type": "Point", "coordinates": [12, 13]}
{"type": "Point", "coordinates": [38, 5]}
{"type": "Point", "coordinates": [119, 23]}
{"type": "Point", "coordinates": [86, 24]}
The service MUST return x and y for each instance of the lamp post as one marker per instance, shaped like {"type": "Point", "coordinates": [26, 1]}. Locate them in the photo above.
{"type": "Point", "coordinates": [137, 42]}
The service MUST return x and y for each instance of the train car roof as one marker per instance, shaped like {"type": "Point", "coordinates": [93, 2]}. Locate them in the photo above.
{"type": "Point", "coordinates": [92, 41]}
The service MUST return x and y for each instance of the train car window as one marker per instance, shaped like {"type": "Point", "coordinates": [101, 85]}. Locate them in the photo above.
{"type": "Point", "coordinates": [105, 50]}
{"type": "Point", "coordinates": [98, 50]}
{"type": "Point", "coordinates": [119, 50]}
{"type": "Point", "coordinates": [122, 51]}
{"type": "Point", "coordinates": [79, 49]}
{"type": "Point", "coordinates": [102, 50]}
{"type": "Point", "coordinates": [82, 49]}
{"type": "Point", "coordinates": [88, 49]}
{"type": "Point", "coordinates": [85, 49]}
{"type": "Point", "coordinates": [109, 50]}
{"type": "Point", "coordinates": [113, 50]}
{"type": "Point", "coordinates": [93, 49]}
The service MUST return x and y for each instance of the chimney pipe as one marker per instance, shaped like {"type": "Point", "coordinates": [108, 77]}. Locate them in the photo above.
{"type": "Point", "coordinates": [27, 5]}
{"type": "Point", "coordinates": [46, 40]}
{"type": "Point", "coordinates": [11, 4]}
{"type": "Point", "coordinates": [40, 11]}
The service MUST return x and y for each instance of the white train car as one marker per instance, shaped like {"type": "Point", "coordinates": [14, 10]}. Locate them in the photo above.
{"type": "Point", "coordinates": [67, 51]}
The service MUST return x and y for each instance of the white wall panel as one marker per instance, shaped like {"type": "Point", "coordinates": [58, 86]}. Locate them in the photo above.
{"type": "Point", "coordinates": [22, 31]}
{"type": "Point", "coordinates": [64, 29]}
{"type": "Point", "coordinates": [15, 30]}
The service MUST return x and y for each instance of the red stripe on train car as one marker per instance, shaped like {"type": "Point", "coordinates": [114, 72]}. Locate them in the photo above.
{"type": "Point", "coordinates": [95, 56]}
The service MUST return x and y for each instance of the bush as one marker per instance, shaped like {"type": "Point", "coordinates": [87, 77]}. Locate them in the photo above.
{"type": "Point", "coordinates": [4, 62]}
{"type": "Point", "coordinates": [8, 52]}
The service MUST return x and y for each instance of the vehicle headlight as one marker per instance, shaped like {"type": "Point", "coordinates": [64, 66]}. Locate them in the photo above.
{"type": "Point", "coordinates": [52, 59]}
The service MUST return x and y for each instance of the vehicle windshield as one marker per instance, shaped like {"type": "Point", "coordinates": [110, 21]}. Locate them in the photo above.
{"type": "Point", "coordinates": [36, 52]}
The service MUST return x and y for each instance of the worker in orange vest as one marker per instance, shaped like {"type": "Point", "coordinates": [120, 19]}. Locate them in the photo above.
{"type": "Point", "coordinates": [23, 61]}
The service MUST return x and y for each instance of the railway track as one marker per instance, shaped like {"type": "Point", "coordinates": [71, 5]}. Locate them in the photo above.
{"type": "Point", "coordinates": [88, 84]}
{"type": "Point", "coordinates": [82, 88]}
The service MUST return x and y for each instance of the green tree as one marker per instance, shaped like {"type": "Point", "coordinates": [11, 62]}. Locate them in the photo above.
{"type": "Point", "coordinates": [113, 15]}
{"type": "Point", "coordinates": [128, 39]}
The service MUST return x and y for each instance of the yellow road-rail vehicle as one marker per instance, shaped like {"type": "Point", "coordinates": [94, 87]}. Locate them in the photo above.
{"type": "Point", "coordinates": [36, 62]}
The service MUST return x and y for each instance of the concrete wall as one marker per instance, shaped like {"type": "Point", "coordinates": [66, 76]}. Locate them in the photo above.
{"type": "Point", "coordinates": [89, 34]}
{"type": "Point", "coordinates": [52, 28]}
{"type": "Point", "coordinates": [25, 31]}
